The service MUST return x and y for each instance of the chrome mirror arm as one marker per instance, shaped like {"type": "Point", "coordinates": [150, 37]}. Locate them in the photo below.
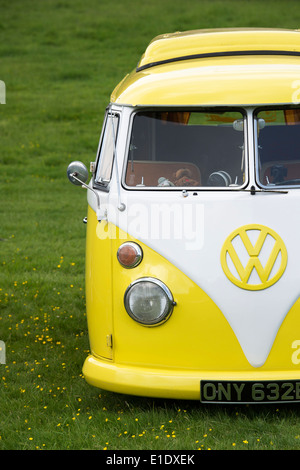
{"type": "Point", "coordinates": [100, 214]}
{"type": "Point", "coordinates": [74, 175]}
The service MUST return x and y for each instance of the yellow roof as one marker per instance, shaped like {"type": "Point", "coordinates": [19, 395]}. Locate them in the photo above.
{"type": "Point", "coordinates": [216, 67]}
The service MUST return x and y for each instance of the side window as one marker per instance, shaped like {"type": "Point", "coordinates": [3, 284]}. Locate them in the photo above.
{"type": "Point", "coordinates": [107, 150]}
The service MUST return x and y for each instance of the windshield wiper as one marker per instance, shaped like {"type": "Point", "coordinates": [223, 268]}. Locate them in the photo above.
{"type": "Point", "coordinates": [253, 190]}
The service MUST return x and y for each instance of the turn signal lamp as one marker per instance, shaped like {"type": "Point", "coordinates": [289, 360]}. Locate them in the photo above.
{"type": "Point", "coordinates": [129, 254]}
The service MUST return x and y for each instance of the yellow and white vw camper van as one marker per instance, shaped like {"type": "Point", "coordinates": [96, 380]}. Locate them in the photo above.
{"type": "Point", "coordinates": [193, 233]}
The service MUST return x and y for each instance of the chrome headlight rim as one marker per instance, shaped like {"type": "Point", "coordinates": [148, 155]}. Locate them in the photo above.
{"type": "Point", "coordinates": [161, 318]}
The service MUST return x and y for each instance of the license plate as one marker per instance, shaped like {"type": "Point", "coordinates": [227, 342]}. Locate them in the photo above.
{"type": "Point", "coordinates": [283, 391]}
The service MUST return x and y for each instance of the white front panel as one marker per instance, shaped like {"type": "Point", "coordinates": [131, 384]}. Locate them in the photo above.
{"type": "Point", "coordinates": [190, 232]}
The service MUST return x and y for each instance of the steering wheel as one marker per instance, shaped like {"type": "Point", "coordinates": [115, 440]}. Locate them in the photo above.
{"type": "Point", "coordinates": [219, 178]}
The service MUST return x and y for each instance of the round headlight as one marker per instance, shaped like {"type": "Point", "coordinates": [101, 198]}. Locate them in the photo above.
{"type": "Point", "coordinates": [148, 301]}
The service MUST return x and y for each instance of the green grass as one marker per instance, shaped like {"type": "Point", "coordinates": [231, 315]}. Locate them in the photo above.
{"type": "Point", "coordinates": [60, 60]}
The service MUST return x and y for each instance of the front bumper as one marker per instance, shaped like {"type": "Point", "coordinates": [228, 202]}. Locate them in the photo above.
{"type": "Point", "coordinates": [167, 383]}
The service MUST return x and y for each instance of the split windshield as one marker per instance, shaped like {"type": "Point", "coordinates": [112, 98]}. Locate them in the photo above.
{"type": "Point", "coordinates": [187, 149]}
{"type": "Point", "coordinates": [278, 153]}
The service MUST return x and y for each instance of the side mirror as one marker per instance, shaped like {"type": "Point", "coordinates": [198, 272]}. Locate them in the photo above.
{"type": "Point", "coordinates": [77, 173]}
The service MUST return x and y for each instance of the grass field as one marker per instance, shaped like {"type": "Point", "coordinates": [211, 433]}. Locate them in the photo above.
{"type": "Point", "coordinates": [60, 59]}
